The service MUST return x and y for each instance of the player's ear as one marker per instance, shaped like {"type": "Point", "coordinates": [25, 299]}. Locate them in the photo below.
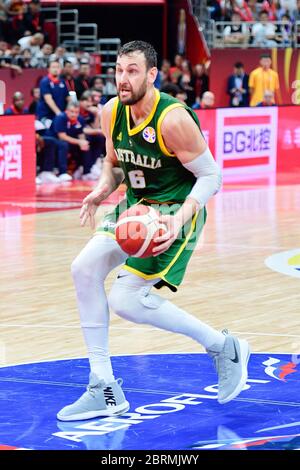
{"type": "Point", "coordinates": [152, 74]}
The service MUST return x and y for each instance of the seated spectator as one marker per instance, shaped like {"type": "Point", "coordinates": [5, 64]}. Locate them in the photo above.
{"type": "Point", "coordinates": [110, 89]}
{"type": "Point", "coordinates": [268, 99]}
{"type": "Point", "coordinates": [59, 55]}
{"type": "Point", "coordinates": [237, 86]}
{"type": "Point", "coordinates": [263, 33]}
{"type": "Point", "coordinates": [200, 82]}
{"type": "Point", "coordinates": [175, 71]}
{"type": "Point", "coordinates": [96, 100]}
{"type": "Point", "coordinates": [46, 148]}
{"type": "Point", "coordinates": [185, 82]}
{"type": "Point", "coordinates": [207, 101]}
{"type": "Point", "coordinates": [18, 105]}
{"type": "Point", "coordinates": [93, 133]}
{"type": "Point", "coordinates": [284, 32]}
{"type": "Point", "coordinates": [242, 8]}
{"type": "Point", "coordinates": [16, 25]}
{"type": "Point", "coordinates": [181, 96]}
{"type": "Point", "coordinates": [67, 128]}
{"type": "Point", "coordinates": [33, 43]}
{"type": "Point", "coordinates": [68, 75]}
{"type": "Point", "coordinates": [35, 94]}
{"type": "Point", "coordinates": [82, 82]}
{"type": "Point", "coordinates": [42, 58]}
{"type": "Point", "coordinates": [34, 18]}
{"type": "Point", "coordinates": [165, 72]}
{"type": "Point", "coordinates": [171, 89]}
{"type": "Point", "coordinates": [237, 32]}
{"type": "Point", "coordinates": [54, 94]}
{"type": "Point", "coordinates": [25, 59]}
{"type": "Point", "coordinates": [3, 21]}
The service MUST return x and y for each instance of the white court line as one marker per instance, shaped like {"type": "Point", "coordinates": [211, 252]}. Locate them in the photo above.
{"type": "Point", "coordinates": [75, 327]}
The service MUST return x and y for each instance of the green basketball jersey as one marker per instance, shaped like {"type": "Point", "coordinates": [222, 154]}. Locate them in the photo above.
{"type": "Point", "coordinates": [151, 171]}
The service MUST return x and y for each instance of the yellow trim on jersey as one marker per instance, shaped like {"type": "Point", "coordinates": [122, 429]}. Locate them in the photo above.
{"type": "Point", "coordinates": [103, 232]}
{"type": "Point", "coordinates": [167, 269]}
{"type": "Point", "coordinates": [158, 130]}
{"type": "Point", "coordinates": [114, 116]}
{"type": "Point", "coordinates": [143, 124]}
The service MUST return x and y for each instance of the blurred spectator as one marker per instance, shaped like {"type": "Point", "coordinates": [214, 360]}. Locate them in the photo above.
{"type": "Point", "coordinates": [34, 18]}
{"type": "Point", "coordinates": [18, 105]}
{"type": "Point", "coordinates": [42, 58]}
{"type": "Point", "coordinates": [241, 8]}
{"type": "Point", "coordinates": [165, 72]}
{"type": "Point", "coordinates": [59, 55]}
{"type": "Point", "coordinates": [96, 100]}
{"type": "Point", "coordinates": [110, 89]}
{"type": "Point", "coordinates": [98, 84]}
{"type": "Point", "coordinates": [54, 93]}
{"type": "Point", "coordinates": [170, 89]}
{"type": "Point", "coordinates": [35, 94]}
{"type": "Point", "coordinates": [175, 71]}
{"type": "Point", "coordinates": [46, 148]}
{"type": "Point", "coordinates": [200, 82]}
{"type": "Point", "coordinates": [68, 75]}
{"type": "Point", "coordinates": [181, 96]}
{"type": "Point", "coordinates": [237, 86]}
{"type": "Point", "coordinates": [68, 127]}
{"type": "Point", "coordinates": [26, 59]}
{"type": "Point", "coordinates": [284, 32]}
{"type": "Point", "coordinates": [82, 82]}
{"type": "Point", "coordinates": [263, 33]}
{"type": "Point", "coordinates": [3, 21]}
{"type": "Point", "coordinates": [268, 99]}
{"type": "Point", "coordinates": [93, 133]}
{"type": "Point", "coordinates": [33, 43]}
{"type": "Point", "coordinates": [261, 79]}
{"type": "Point", "coordinates": [207, 101]}
{"type": "Point", "coordinates": [16, 24]}
{"type": "Point", "coordinates": [185, 82]}
{"type": "Point", "coordinates": [214, 9]}
{"type": "Point", "coordinates": [236, 32]}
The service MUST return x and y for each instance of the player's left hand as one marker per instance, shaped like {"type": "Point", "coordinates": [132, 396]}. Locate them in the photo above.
{"type": "Point", "coordinates": [173, 225]}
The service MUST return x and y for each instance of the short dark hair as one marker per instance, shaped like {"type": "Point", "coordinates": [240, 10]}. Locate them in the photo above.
{"type": "Point", "coordinates": [239, 65]}
{"type": "Point", "coordinates": [140, 46]}
{"type": "Point", "coordinates": [266, 55]}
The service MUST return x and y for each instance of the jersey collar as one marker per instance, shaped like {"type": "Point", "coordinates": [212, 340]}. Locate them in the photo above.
{"type": "Point", "coordinates": [137, 129]}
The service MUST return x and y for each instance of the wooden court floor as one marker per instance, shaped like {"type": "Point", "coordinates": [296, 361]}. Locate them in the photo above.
{"type": "Point", "coordinates": [227, 283]}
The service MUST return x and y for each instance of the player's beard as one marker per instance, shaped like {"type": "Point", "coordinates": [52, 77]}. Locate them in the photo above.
{"type": "Point", "coordinates": [135, 96]}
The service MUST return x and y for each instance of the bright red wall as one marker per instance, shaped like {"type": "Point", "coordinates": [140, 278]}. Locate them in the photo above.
{"type": "Point", "coordinates": [25, 82]}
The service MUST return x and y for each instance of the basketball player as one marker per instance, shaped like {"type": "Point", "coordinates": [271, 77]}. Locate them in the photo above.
{"type": "Point", "coordinates": [155, 141]}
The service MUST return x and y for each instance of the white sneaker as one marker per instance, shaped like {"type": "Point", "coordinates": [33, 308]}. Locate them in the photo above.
{"type": "Point", "coordinates": [78, 173]}
{"type": "Point", "coordinates": [100, 399]}
{"type": "Point", "coordinates": [89, 177]}
{"type": "Point", "coordinates": [48, 177]}
{"type": "Point", "coordinates": [64, 177]}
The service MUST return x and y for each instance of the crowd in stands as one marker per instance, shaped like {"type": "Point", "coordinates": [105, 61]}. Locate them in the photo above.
{"type": "Point", "coordinates": [259, 23]}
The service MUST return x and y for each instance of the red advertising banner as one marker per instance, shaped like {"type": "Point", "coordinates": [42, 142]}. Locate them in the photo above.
{"type": "Point", "coordinates": [17, 157]}
{"type": "Point", "coordinates": [108, 2]}
{"type": "Point", "coordinates": [253, 142]}
{"type": "Point", "coordinates": [288, 139]}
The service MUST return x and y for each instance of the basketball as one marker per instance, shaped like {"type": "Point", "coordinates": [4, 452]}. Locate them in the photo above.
{"type": "Point", "coordinates": [136, 230]}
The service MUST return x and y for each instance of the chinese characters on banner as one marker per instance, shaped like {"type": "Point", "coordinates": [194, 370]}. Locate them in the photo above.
{"type": "Point", "coordinates": [10, 156]}
{"type": "Point", "coordinates": [17, 157]}
{"type": "Point", "coordinates": [243, 140]}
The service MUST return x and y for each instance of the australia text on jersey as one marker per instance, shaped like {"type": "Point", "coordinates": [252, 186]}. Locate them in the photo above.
{"type": "Point", "coordinates": [145, 161]}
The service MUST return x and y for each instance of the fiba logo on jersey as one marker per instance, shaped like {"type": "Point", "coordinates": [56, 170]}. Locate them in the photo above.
{"type": "Point", "coordinates": [286, 262]}
{"type": "Point", "coordinates": [149, 135]}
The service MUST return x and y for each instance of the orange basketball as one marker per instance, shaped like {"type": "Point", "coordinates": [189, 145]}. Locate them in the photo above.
{"type": "Point", "coordinates": [136, 230]}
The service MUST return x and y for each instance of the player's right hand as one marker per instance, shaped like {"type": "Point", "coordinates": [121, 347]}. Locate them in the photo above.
{"type": "Point", "coordinates": [90, 205]}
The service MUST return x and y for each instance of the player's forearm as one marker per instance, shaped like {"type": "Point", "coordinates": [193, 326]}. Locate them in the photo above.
{"type": "Point", "coordinates": [52, 105]}
{"type": "Point", "coordinates": [110, 175]}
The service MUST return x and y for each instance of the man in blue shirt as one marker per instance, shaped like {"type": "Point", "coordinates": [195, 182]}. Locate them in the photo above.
{"type": "Point", "coordinates": [67, 128]}
{"type": "Point", "coordinates": [17, 108]}
{"type": "Point", "coordinates": [54, 93]}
